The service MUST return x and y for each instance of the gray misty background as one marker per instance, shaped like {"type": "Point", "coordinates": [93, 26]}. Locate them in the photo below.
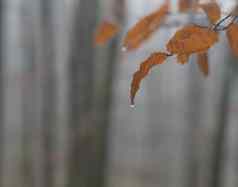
{"type": "Point", "coordinates": [65, 119]}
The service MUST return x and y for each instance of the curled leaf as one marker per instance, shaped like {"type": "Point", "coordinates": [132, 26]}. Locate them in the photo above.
{"type": "Point", "coordinates": [105, 32]}
{"type": "Point", "coordinates": [154, 59]}
{"type": "Point", "coordinates": [183, 58]}
{"type": "Point", "coordinates": [212, 10]}
{"type": "Point", "coordinates": [192, 39]}
{"type": "Point", "coordinates": [202, 62]}
{"type": "Point", "coordinates": [144, 28]}
{"type": "Point", "coordinates": [232, 35]}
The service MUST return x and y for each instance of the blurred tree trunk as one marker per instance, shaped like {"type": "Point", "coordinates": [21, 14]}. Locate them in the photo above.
{"type": "Point", "coordinates": [40, 85]}
{"type": "Point", "coordinates": [82, 158]}
{"type": "Point", "coordinates": [48, 89]}
{"type": "Point", "coordinates": [62, 28]}
{"type": "Point", "coordinates": [90, 93]}
{"type": "Point", "coordinates": [47, 93]}
{"type": "Point", "coordinates": [1, 88]}
{"type": "Point", "coordinates": [221, 139]}
{"type": "Point", "coordinates": [12, 69]}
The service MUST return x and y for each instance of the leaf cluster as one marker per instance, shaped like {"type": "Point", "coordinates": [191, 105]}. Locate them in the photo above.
{"type": "Point", "coordinates": [189, 40]}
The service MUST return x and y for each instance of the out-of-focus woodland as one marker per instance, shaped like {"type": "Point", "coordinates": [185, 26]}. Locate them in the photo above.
{"type": "Point", "coordinates": [65, 119]}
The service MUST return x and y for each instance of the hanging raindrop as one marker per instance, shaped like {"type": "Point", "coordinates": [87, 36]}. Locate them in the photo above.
{"type": "Point", "coordinates": [132, 106]}
{"type": "Point", "coordinates": [124, 49]}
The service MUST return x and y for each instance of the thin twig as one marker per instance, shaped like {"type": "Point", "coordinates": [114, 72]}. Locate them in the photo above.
{"type": "Point", "coordinates": [227, 26]}
{"type": "Point", "coordinates": [221, 21]}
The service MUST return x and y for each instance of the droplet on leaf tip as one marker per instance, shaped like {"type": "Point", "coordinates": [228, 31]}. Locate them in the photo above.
{"type": "Point", "coordinates": [124, 49]}
{"type": "Point", "coordinates": [132, 106]}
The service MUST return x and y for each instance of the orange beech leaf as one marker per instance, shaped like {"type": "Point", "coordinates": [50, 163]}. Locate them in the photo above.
{"type": "Point", "coordinates": [232, 35]}
{"type": "Point", "coordinates": [188, 5]}
{"type": "Point", "coordinates": [183, 58]}
{"type": "Point", "coordinates": [202, 62]}
{"type": "Point", "coordinates": [212, 10]}
{"type": "Point", "coordinates": [105, 32]}
{"type": "Point", "coordinates": [192, 39]}
{"type": "Point", "coordinates": [159, 16]}
{"type": "Point", "coordinates": [144, 28]}
{"type": "Point", "coordinates": [184, 5]}
{"type": "Point", "coordinates": [154, 59]}
{"type": "Point", "coordinates": [234, 12]}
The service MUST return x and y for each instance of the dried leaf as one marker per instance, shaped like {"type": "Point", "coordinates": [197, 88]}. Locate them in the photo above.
{"type": "Point", "coordinates": [192, 39]}
{"type": "Point", "coordinates": [184, 5]}
{"type": "Point", "coordinates": [154, 59]}
{"type": "Point", "coordinates": [105, 32]}
{"type": "Point", "coordinates": [183, 58]}
{"type": "Point", "coordinates": [202, 62]}
{"type": "Point", "coordinates": [144, 28]}
{"type": "Point", "coordinates": [159, 16]}
{"type": "Point", "coordinates": [212, 10]}
{"type": "Point", "coordinates": [234, 12]}
{"type": "Point", "coordinates": [232, 35]}
{"type": "Point", "coordinates": [188, 5]}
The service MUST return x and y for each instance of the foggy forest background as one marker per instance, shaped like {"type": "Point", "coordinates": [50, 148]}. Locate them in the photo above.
{"type": "Point", "coordinates": [65, 119]}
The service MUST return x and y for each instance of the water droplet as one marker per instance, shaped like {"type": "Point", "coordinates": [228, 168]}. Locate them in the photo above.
{"type": "Point", "coordinates": [132, 106]}
{"type": "Point", "coordinates": [124, 49]}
